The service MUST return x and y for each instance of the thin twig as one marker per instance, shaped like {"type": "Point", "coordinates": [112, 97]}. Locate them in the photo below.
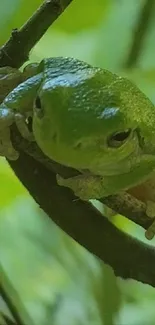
{"type": "Point", "coordinates": [10, 305]}
{"type": "Point", "coordinates": [7, 320]}
{"type": "Point", "coordinates": [140, 33]}
{"type": "Point", "coordinates": [16, 50]}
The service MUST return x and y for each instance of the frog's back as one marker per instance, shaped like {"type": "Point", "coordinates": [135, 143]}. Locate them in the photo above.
{"type": "Point", "coordinates": [58, 66]}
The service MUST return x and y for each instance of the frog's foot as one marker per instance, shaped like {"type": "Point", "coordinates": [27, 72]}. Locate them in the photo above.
{"type": "Point", "coordinates": [6, 120]}
{"type": "Point", "coordinates": [23, 128]}
{"type": "Point", "coordinates": [6, 148]}
{"type": "Point", "coordinates": [150, 211]}
{"type": "Point", "coordinates": [86, 187]}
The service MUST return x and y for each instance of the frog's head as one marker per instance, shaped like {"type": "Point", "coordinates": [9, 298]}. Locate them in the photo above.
{"type": "Point", "coordinates": [92, 120]}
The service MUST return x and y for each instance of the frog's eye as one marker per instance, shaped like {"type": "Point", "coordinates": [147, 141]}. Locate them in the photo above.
{"type": "Point", "coordinates": [117, 139]}
{"type": "Point", "coordinates": [38, 107]}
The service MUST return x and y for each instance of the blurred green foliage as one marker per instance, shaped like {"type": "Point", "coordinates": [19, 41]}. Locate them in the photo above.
{"type": "Point", "coordinates": [50, 277]}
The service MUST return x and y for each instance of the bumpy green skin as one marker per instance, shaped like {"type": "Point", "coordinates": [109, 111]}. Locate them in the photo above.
{"type": "Point", "coordinates": [76, 110]}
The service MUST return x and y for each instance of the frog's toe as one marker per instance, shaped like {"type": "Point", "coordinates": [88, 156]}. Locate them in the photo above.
{"type": "Point", "coordinates": [150, 211]}
{"type": "Point", "coordinates": [76, 184]}
{"type": "Point", "coordinates": [23, 127]}
{"type": "Point", "coordinates": [6, 148]}
{"type": "Point", "coordinates": [60, 180]}
{"type": "Point", "coordinates": [150, 232]}
{"type": "Point", "coordinates": [12, 154]}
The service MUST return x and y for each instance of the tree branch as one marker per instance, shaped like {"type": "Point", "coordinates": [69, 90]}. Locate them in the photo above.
{"type": "Point", "coordinates": [128, 257]}
{"type": "Point", "coordinates": [130, 207]}
{"type": "Point", "coordinates": [16, 50]}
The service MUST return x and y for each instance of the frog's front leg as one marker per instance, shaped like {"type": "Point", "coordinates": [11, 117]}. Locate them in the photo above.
{"type": "Point", "coordinates": [7, 118]}
{"type": "Point", "coordinates": [89, 187]}
{"type": "Point", "coordinates": [9, 78]}
{"type": "Point", "coordinates": [86, 187]}
{"type": "Point", "coordinates": [22, 125]}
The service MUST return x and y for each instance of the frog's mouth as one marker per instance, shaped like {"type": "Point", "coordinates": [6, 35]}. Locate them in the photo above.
{"type": "Point", "coordinates": [138, 157]}
{"type": "Point", "coordinates": [124, 166]}
{"type": "Point", "coordinates": [127, 166]}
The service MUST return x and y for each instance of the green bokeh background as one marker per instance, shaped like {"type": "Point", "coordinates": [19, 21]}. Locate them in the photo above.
{"type": "Point", "coordinates": [51, 279]}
